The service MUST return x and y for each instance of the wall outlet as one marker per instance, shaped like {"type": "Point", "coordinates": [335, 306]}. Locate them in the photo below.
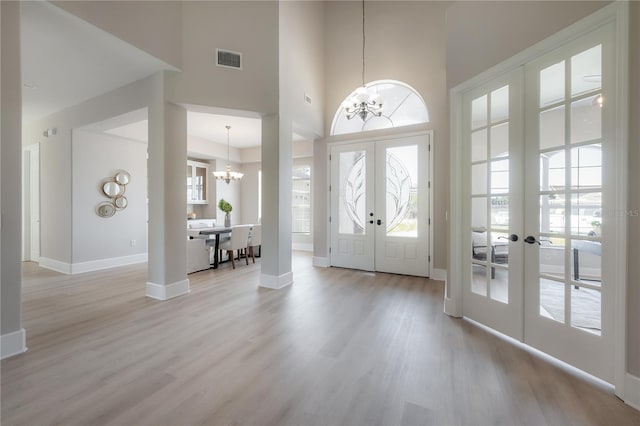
{"type": "Point", "coordinates": [133, 243]}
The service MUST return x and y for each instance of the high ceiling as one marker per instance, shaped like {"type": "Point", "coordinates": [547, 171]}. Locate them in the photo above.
{"type": "Point", "coordinates": [66, 61]}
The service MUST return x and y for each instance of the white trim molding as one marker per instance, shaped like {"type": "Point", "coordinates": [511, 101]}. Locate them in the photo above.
{"type": "Point", "coordinates": [168, 291]}
{"type": "Point", "coordinates": [438, 274]}
{"type": "Point", "coordinates": [276, 282]}
{"type": "Point", "coordinates": [302, 247]}
{"type": "Point", "coordinates": [55, 265]}
{"type": "Point", "coordinates": [113, 262]}
{"type": "Point", "coordinates": [323, 262]}
{"type": "Point", "coordinates": [92, 265]}
{"type": "Point", "coordinates": [13, 343]}
{"type": "Point", "coordinates": [632, 391]}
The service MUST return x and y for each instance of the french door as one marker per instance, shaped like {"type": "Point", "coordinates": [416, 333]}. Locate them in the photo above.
{"type": "Point", "coordinates": [380, 205]}
{"type": "Point", "coordinates": [538, 145]}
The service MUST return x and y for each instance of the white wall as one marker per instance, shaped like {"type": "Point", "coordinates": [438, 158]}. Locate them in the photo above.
{"type": "Point", "coordinates": [11, 160]}
{"type": "Point", "coordinates": [96, 157]}
{"type": "Point", "coordinates": [406, 42]}
{"type": "Point", "coordinates": [249, 192]}
{"type": "Point", "coordinates": [158, 31]}
{"type": "Point", "coordinates": [56, 161]}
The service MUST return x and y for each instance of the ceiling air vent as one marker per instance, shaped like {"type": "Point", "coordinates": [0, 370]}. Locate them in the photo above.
{"type": "Point", "coordinates": [228, 59]}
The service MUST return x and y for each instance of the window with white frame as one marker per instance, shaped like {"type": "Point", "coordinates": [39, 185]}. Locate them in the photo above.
{"type": "Point", "coordinates": [301, 200]}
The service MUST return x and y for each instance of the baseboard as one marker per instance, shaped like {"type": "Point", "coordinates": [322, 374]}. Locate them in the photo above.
{"type": "Point", "coordinates": [113, 262]}
{"type": "Point", "coordinates": [302, 247]}
{"type": "Point", "coordinates": [166, 292]}
{"type": "Point", "coordinates": [438, 274]}
{"type": "Point", "coordinates": [632, 391]}
{"type": "Point", "coordinates": [55, 265]}
{"type": "Point", "coordinates": [276, 282]}
{"type": "Point", "coordinates": [323, 262]}
{"type": "Point", "coordinates": [13, 343]}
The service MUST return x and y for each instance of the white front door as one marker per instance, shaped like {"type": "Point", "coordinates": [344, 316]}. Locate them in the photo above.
{"type": "Point", "coordinates": [538, 145]}
{"type": "Point", "coordinates": [380, 205]}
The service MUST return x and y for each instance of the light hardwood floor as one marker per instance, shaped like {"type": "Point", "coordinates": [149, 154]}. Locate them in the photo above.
{"type": "Point", "coordinates": [339, 347]}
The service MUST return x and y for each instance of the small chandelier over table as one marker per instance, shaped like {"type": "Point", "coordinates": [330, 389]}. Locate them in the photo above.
{"type": "Point", "coordinates": [227, 175]}
{"type": "Point", "coordinates": [362, 103]}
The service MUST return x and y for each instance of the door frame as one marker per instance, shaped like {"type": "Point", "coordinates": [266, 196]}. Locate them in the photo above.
{"type": "Point", "coordinates": [30, 191]}
{"type": "Point", "coordinates": [374, 136]}
{"type": "Point", "coordinates": [618, 13]}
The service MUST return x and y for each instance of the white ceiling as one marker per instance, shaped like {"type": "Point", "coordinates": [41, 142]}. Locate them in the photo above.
{"type": "Point", "coordinates": [69, 61]}
{"type": "Point", "coordinates": [245, 132]}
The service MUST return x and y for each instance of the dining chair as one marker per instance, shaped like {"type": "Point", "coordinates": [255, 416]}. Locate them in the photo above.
{"type": "Point", "coordinates": [255, 240]}
{"type": "Point", "coordinates": [238, 241]}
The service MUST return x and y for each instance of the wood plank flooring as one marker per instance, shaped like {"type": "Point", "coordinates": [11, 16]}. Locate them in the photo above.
{"type": "Point", "coordinates": [339, 347]}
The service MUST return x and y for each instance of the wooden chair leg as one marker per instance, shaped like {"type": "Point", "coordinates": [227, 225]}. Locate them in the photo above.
{"type": "Point", "coordinates": [246, 255]}
{"type": "Point", "coordinates": [230, 254]}
{"type": "Point", "coordinates": [252, 254]}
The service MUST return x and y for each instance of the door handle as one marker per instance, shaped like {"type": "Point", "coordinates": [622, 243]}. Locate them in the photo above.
{"type": "Point", "coordinates": [512, 237]}
{"type": "Point", "coordinates": [531, 240]}
{"type": "Point", "coordinates": [379, 222]}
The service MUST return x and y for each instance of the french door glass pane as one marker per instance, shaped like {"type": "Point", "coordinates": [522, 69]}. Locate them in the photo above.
{"type": "Point", "coordinates": [402, 191]}
{"type": "Point", "coordinates": [586, 309]}
{"type": "Point", "coordinates": [499, 289]}
{"type": "Point", "coordinates": [500, 140]}
{"type": "Point", "coordinates": [500, 104]}
{"type": "Point", "coordinates": [552, 257]}
{"type": "Point", "coordinates": [586, 262]}
{"type": "Point", "coordinates": [479, 279]}
{"type": "Point", "coordinates": [552, 171]}
{"type": "Point", "coordinates": [479, 145]}
{"type": "Point", "coordinates": [552, 213]}
{"type": "Point", "coordinates": [586, 214]}
{"type": "Point", "coordinates": [586, 119]}
{"type": "Point", "coordinates": [479, 112]}
{"type": "Point", "coordinates": [479, 179]}
{"type": "Point", "coordinates": [352, 200]}
{"type": "Point", "coordinates": [586, 71]}
{"type": "Point", "coordinates": [586, 167]}
{"type": "Point", "coordinates": [479, 213]}
{"type": "Point", "coordinates": [552, 84]}
{"type": "Point", "coordinates": [552, 300]}
{"type": "Point", "coordinates": [500, 177]}
{"type": "Point", "coordinates": [500, 212]}
{"type": "Point", "coordinates": [552, 122]}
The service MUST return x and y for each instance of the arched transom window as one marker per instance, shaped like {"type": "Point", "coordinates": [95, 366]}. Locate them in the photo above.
{"type": "Point", "coordinates": [402, 106]}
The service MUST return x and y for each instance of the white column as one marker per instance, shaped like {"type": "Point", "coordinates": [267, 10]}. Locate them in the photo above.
{"type": "Point", "coordinates": [167, 196]}
{"type": "Point", "coordinates": [276, 202]}
{"type": "Point", "coordinates": [12, 340]}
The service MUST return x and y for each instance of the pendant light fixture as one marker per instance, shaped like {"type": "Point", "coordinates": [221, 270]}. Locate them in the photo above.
{"type": "Point", "coordinates": [362, 103]}
{"type": "Point", "coordinates": [227, 175]}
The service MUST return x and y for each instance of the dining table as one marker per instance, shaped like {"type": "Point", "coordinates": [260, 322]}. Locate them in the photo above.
{"type": "Point", "coordinates": [217, 231]}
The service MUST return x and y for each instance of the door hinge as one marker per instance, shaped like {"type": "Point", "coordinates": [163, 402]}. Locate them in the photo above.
{"type": "Point", "coordinates": [429, 258]}
{"type": "Point", "coordinates": [429, 147]}
{"type": "Point", "coordinates": [329, 188]}
{"type": "Point", "coordinates": [329, 249]}
{"type": "Point", "coordinates": [329, 219]}
{"type": "Point", "coordinates": [429, 221]}
{"type": "Point", "coordinates": [329, 157]}
{"type": "Point", "coordinates": [429, 185]}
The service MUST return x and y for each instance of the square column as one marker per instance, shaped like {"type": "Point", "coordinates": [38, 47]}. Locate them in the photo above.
{"type": "Point", "coordinates": [276, 202]}
{"type": "Point", "coordinates": [167, 276]}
